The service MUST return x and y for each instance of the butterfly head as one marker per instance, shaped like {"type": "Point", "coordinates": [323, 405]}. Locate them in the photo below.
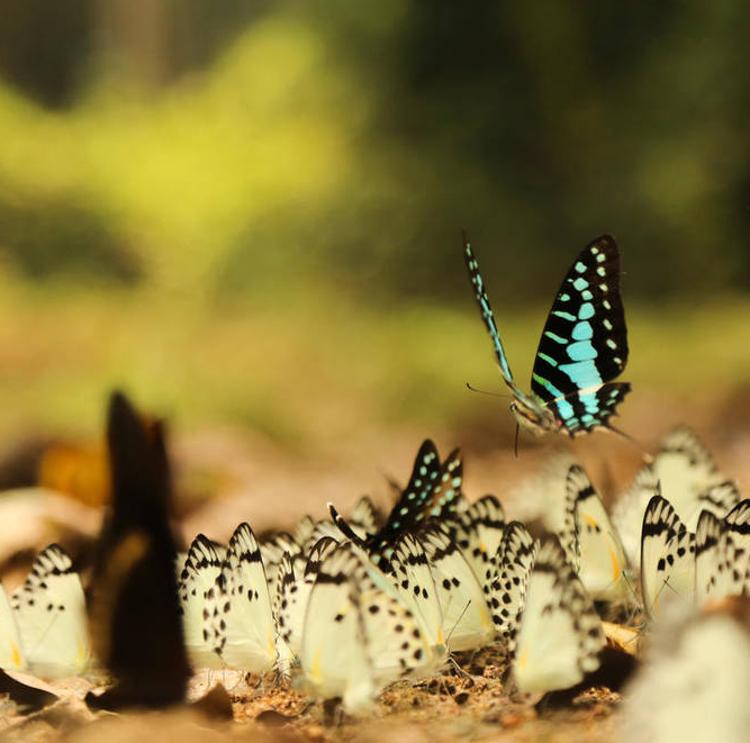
{"type": "Point", "coordinates": [532, 415]}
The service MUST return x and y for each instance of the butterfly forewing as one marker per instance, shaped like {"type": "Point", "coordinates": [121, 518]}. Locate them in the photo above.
{"type": "Point", "coordinates": [507, 588]}
{"type": "Point", "coordinates": [467, 622]}
{"type": "Point", "coordinates": [335, 656]}
{"type": "Point", "coordinates": [584, 342]}
{"type": "Point", "coordinates": [480, 294]}
{"type": "Point", "coordinates": [602, 563]}
{"type": "Point", "coordinates": [239, 607]}
{"type": "Point", "coordinates": [50, 611]}
{"type": "Point", "coordinates": [667, 557]}
{"type": "Point", "coordinates": [560, 635]}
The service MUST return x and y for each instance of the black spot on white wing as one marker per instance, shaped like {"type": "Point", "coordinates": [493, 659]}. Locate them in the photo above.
{"type": "Point", "coordinates": [507, 587]}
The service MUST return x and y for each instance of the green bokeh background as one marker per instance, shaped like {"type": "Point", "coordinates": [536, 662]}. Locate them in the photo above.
{"type": "Point", "coordinates": [249, 213]}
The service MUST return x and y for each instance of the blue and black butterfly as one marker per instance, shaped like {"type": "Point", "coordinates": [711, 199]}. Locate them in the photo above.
{"type": "Point", "coordinates": [584, 346]}
{"type": "Point", "coordinates": [433, 491]}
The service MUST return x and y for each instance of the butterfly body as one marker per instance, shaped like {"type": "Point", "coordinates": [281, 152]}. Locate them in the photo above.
{"type": "Point", "coordinates": [582, 349]}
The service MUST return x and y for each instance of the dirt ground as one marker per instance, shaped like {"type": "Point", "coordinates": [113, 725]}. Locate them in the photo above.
{"type": "Point", "coordinates": [224, 477]}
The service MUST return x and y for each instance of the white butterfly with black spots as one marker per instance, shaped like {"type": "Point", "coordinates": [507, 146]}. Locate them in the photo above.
{"type": "Point", "coordinates": [507, 587]}
{"type": "Point", "coordinates": [592, 542]}
{"type": "Point", "coordinates": [414, 581]}
{"type": "Point", "coordinates": [357, 637]}
{"type": "Point", "coordinates": [239, 607]}
{"type": "Point", "coordinates": [50, 612]}
{"type": "Point", "coordinates": [296, 579]}
{"type": "Point", "coordinates": [467, 621]}
{"type": "Point", "coordinates": [561, 635]}
{"type": "Point", "coordinates": [722, 554]}
{"type": "Point", "coordinates": [688, 478]}
{"type": "Point", "coordinates": [197, 578]}
{"type": "Point", "coordinates": [667, 558]}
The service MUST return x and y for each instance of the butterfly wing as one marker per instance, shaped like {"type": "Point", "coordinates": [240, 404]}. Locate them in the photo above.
{"type": "Point", "coordinates": [240, 607]}
{"type": "Point", "coordinates": [413, 579]}
{"type": "Point", "coordinates": [296, 579]}
{"type": "Point", "coordinates": [507, 589]}
{"type": "Point", "coordinates": [50, 611]}
{"type": "Point", "coordinates": [11, 651]}
{"type": "Point", "coordinates": [200, 570]}
{"type": "Point", "coordinates": [482, 524]}
{"type": "Point", "coordinates": [584, 343]}
{"type": "Point", "coordinates": [629, 509]}
{"type": "Point", "coordinates": [603, 565]}
{"type": "Point", "coordinates": [685, 469]}
{"type": "Point", "coordinates": [467, 622]}
{"type": "Point", "coordinates": [560, 634]}
{"type": "Point", "coordinates": [434, 490]}
{"type": "Point", "coordinates": [667, 557]}
{"type": "Point", "coordinates": [485, 309]}
{"type": "Point", "coordinates": [335, 658]}
{"type": "Point", "coordinates": [364, 517]}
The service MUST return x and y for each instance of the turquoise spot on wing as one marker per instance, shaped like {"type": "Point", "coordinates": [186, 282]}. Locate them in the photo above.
{"type": "Point", "coordinates": [563, 407]}
{"type": "Point", "coordinates": [582, 373]}
{"type": "Point", "coordinates": [555, 337]}
{"type": "Point", "coordinates": [546, 358]}
{"type": "Point", "coordinates": [580, 267]}
{"type": "Point", "coordinates": [580, 284]}
{"type": "Point", "coordinates": [582, 331]}
{"type": "Point", "coordinates": [586, 312]}
{"type": "Point", "coordinates": [564, 315]}
{"type": "Point", "coordinates": [581, 351]}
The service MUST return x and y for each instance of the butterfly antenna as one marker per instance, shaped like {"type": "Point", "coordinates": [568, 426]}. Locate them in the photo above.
{"type": "Point", "coordinates": [460, 617]}
{"type": "Point", "coordinates": [486, 392]}
{"type": "Point", "coordinates": [515, 442]}
{"type": "Point", "coordinates": [344, 527]}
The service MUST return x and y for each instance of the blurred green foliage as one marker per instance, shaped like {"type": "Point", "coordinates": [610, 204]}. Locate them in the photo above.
{"type": "Point", "coordinates": [251, 149]}
{"type": "Point", "coordinates": [252, 211]}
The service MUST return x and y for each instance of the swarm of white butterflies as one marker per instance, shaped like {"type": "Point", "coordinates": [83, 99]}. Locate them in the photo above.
{"type": "Point", "coordinates": [346, 607]}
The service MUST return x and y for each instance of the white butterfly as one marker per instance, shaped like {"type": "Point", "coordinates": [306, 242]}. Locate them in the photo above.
{"type": "Point", "coordinates": [296, 579]}
{"type": "Point", "coordinates": [509, 582]}
{"type": "Point", "coordinates": [667, 558]}
{"type": "Point", "coordinates": [413, 579]}
{"type": "Point", "coordinates": [467, 621]}
{"type": "Point", "coordinates": [197, 578]}
{"type": "Point", "coordinates": [722, 554]}
{"type": "Point", "coordinates": [480, 530]}
{"type": "Point", "coordinates": [357, 637]}
{"type": "Point", "coordinates": [592, 542]}
{"type": "Point", "coordinates": [693, 686]}
{"type": "Point", "coordinates": [50, 612]}
{"type": "Point", "coordinates": [239, 607]}
{"type": "Point", "coordinates": [689, 480]}
{"type": "Point", "coordinates": [11, 651]}
{"type": "Point", "coordinates": [560, 636]}
{"type": "Point", "coordinates": [272, 550]}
